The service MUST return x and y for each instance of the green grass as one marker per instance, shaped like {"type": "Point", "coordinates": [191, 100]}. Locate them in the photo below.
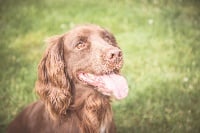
{"type": "Point", "coordinates": [161, 44]}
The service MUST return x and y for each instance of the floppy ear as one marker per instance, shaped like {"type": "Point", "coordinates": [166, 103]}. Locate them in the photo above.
{"type": "Point", "coordinates": [53, 84]}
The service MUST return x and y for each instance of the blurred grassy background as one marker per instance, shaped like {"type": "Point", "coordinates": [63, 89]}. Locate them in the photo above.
{"type": "Point", "coordinates": [161, 44]}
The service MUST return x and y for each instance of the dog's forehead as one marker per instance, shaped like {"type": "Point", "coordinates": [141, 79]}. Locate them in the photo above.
{"type": "Point", "coordinates": [89, 33]}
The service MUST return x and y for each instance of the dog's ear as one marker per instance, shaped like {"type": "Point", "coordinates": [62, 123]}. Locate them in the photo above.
{"type": "Point", "coordinates": [53, 85]}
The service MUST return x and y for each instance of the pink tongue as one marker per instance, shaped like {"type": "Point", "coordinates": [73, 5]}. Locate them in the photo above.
{"type": "Point", "coordinates": [112, 84]}
{"type": "Point", "coordinates": [116, 84]}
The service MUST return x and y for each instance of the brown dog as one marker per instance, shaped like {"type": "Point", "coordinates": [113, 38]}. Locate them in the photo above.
{"type": "Point", "coordinates": [77, 76]}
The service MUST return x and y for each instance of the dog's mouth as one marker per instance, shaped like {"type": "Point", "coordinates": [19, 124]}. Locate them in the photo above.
{"type": "Point", "coordinates": [108, 84]}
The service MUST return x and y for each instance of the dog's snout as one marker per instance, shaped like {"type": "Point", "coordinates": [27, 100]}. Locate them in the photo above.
{"type": "Point", "coordinates": [114, 55]}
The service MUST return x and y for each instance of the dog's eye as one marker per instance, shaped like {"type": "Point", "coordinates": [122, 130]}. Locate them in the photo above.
{"type": "Point", "coordinates": [107, 38]}
{"type": "Point", "coordinates": [80, 45]}
{"type": "Point", "coordinates": [110, 39]}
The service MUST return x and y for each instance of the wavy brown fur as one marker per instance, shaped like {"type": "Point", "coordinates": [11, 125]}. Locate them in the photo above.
{"type": "Point", "coordinates": [52, 86]}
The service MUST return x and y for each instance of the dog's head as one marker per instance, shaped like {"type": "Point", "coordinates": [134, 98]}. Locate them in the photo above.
{"type": "Point", "coordinates": [87, 55]}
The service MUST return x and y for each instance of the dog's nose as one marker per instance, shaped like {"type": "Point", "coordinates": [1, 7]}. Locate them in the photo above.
{"type": "Point", "coordinates": [114, 55]}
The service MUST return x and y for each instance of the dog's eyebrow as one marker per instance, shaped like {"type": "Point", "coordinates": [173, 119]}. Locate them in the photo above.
{"type": "Point", "coordinates": [104, 33]}
{"type": "Point", "coordinates": [85, 32]}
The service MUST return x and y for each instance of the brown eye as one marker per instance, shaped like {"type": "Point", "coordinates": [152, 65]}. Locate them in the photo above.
{"type": "Point", "coordinates": [80, 45]}
{"type": "Point", "coordinates": [107, 38]}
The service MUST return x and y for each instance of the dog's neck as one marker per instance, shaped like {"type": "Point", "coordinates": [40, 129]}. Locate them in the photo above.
{"type": "Point", "coordinates": [96, 112]}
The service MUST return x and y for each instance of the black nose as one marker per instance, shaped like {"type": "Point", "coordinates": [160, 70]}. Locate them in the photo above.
{"type": "Point", "coordinates": [114, 55]}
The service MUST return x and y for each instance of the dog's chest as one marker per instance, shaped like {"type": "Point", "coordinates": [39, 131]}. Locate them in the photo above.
{"type": "Point", "coordinates": [103, 128]}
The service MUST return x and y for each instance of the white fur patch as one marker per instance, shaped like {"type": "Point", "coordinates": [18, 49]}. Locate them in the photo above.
{"type": "Point", "coordinates": [103, 128]}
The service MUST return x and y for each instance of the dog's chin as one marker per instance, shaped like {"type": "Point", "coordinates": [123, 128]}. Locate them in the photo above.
{"type": "Point", "coordinates": [109, 83]}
